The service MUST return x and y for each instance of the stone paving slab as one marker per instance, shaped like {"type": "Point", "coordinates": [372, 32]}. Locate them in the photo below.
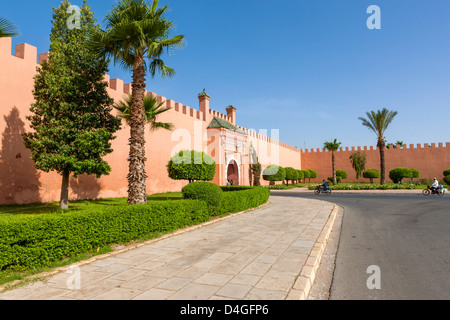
{"type": "Point", "coordinates": [258, 255]}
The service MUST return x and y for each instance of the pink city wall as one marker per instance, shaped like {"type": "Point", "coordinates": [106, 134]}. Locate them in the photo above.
{"type": "Point", "coordinates": [21, 183]}
{"type": "Point", "coordinates": [430, 159]}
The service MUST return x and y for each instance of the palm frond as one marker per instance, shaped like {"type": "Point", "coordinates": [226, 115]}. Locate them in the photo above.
{"type": "Point", "coordinates": [7, 29]}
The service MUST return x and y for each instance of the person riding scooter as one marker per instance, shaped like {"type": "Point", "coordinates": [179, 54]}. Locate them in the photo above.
{"type": "Point", "coordinates": [435, 185]}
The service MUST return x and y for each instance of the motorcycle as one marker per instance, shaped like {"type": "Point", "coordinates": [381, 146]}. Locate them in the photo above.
{"type": "Point", "coordinates": [321, 189]}
{"type": "Point", "coordinates": [439, 191]}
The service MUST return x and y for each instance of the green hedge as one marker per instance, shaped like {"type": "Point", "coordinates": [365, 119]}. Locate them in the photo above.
{"type": "Point", "coordinates": [33, 242]}
{"type": "Point", "coordinates": [37, 241]}
{"type": "Point", "coordinates": [238, 201]}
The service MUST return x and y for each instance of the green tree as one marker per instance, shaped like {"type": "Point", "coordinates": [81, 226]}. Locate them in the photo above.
{"type": "Point", "coordinates": [256, 174]}
{"type": "Point", "coordinates": [378, 122]}
{"type": "Point", "coordinates": [7, 29]}
{"type": "Point", "coordinates": [371, 174]}
{"type": "Point", "coordinates": [306, 174]}
{"type": "Point", "coordinates": [312, 174]}
{"type": "Point", "coordinates": [342, 174]}
{"type": "Point", "coordinates": [191, 166]}
{"type": "Point", "coordinates": [274, 173]}
{"type": "Point", "coordinates": [398, 174]}
{"type": "Point", "coordinates": [71, 123]}
{"type": "Point", "coordinates": [136, 37]}
{"type": "Point", "coordinates": [333, 147]}
{"type": "Point", "coordinates": [152, 110]}
{"type": "Point", "coordinates": [291, 175]}
{"type": "Point", "coordinates": [358, 160]}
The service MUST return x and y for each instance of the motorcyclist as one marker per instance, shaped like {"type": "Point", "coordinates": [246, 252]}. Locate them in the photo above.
{"type": "Point", "coordinates": [435, 185]}
{"type": "Point", "coordinates": [325, 185]}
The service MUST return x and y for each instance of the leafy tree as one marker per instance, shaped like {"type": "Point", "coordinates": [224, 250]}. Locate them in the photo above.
{"type": "Point", "coordinates": [71, 121]}
{"type": "Point", "coordinates": [312, 174]}
{"type": "Point", "coordinates": [191, 166]}
{"type": "Point", "coordinates": [358, 160]}
{"type": "Point", "coordinates": [371, 174]}
{"type": "Point", "coordinates": [7, 29]}
{"type": "Point", "coordinates": [306, 174]}
{"type": "Point", "coordinates": [398, 174]}
{"type": "Point", "coordinates": [152, 110]}
{"type": "Point", "coordinates": [136, 37]}
{"type": "Point", "coordinates": [333, 147]}
{"type": "Point", "coordinates": [378, 122]}
{"type": "Point", "coordinates": [342, 174]}
{"type": "Point", "coordinates": [274, 173]}
{"type": "Point", "coordinates": [415, 174]}
{"type": "Point", "coordinates": [291, 174]}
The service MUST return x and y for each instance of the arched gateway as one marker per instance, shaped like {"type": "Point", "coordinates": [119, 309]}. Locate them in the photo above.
{"type": "Point", "coordinates": [233, 173]}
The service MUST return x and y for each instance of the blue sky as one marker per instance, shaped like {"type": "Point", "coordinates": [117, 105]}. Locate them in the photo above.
{"type": "Point", "coordinates": [309, 68]}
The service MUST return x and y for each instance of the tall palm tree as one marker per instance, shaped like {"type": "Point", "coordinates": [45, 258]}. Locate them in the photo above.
{"type": "Point", "coordinates": [333, 146]}
{"type": "Point", "coordinates": [7, 29]}
{"type": "Point", "coordinates": [152, 110]}
{"type": "Point", "coordinates": [378, 122]}
{"type": "Point", "coordinates": [136, 36]}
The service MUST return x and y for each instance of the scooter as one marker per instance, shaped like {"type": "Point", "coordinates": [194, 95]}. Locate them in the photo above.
{"type": "Point", "coordinates": [320, 189]}
{"type": "Point", "coordinates": [439, 191]}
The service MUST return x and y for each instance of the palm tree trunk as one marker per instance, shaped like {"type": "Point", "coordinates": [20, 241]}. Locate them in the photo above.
{"type": "Point", "coordinates": [137, 193]}
{"type": "Point", "coordinates": [64, 199]}
{"type": "Point", "coordinates": [334, 168]}
{"type": "Point", "coordinates": [382, 146]}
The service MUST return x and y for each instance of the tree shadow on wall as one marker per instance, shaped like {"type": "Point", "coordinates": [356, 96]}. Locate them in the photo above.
{"type": "Point", "coordinates": [85, 187]}
{"type": "Point", "coordinates": [19, 178]}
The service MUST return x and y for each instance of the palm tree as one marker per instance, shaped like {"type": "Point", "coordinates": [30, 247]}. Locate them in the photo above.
{"type": "Point", "coordinates": [152, 110]}
{"type": "Point", "coordinates": [7, 29]}
{"type": "Point", "coordinates": [136, 37]}
{"type": "Point", "coordinates": [333, 146]}
{"type": "Point", "coordinates": [378, 122]}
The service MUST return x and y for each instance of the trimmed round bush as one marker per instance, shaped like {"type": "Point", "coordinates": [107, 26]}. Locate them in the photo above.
{"type": "Point", "coordinates": [447, 179]}
{"type": "Point", "coordinates": [342, 173]}
{"type": "Point", "coordinates": [447, 172]}
{"type": "Point", "coordinates": [338, 179]}
{"type": "Point", "coordinates": [291, 174]}
{"type": "Point", "coordinates": [371, 174]}
{"type": "Point", "coordinates": [398, 174]}
{"type": "Point", "coordinates": [191, 166]}
{"type": "Point", "coordinates": [312, 174]}
{"type": "Point", "coordinates": [306, 174]}
{"type": "Point", "coordinates": [300, 174]}
{"type": "Point", "coordinates": [206, 191]}
{"type": "Point", "coordinates": [415, 173]}
{"type": "Point", "coordinates": [274, 173]}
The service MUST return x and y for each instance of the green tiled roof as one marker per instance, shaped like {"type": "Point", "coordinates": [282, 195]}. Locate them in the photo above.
{"type": "Point", "coordinates": [220, 123]}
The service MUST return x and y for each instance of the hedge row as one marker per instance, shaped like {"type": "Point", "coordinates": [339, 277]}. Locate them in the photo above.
{"type": "Point", "coordinates": [238, 201]}
{"type": "Point", "coordinates": [37, 241]}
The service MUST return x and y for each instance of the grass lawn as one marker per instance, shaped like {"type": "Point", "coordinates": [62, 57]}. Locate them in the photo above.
{"type": "Point", "coordinates": [35, 209]}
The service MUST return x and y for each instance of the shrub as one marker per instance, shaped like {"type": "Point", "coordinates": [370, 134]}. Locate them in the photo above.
{"type": "Point", "coordinates": [398, 174]}
{"type": "Point", "coordinates": [306, 174]}
{"type": "Point", "coordinates": [447, 179]}
{"type": "Point", "coordinates": [238, 201]}
{"type": "Point", "coordinates": [191, 166]}
{"type": "Point", "coordinates": [312, 174]}
{"type": "Point", "coordinates": [291, 174]}
{"type": "Point", "coordinates": [206, 191]}
{"type": "Point", "coordinates": [338, 179]}
{"type": "Point", "coordinates": [342, 173]}
{"type": "Point", "coordinates": [415, 173]}
{"type": "Point", "coordinates": [447, 172]}
{"type": "Point", "coordinates": [371, 174]}
{"type": "Point", "coordinates": [301, 174]}
{"type": "Point", "coordinates": [32, 242]}
{"type": "Point", "coordinates": [274, 173]}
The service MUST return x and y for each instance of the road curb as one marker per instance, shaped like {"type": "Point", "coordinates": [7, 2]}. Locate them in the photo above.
{"type": "Point", "coordinates": [303, 284]}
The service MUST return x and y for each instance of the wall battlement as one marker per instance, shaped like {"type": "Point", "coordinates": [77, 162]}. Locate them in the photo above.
{"type": "Point", "coordinates": [374, 148]}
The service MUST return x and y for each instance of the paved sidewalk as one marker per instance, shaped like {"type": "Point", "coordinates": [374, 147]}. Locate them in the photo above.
{"type": "Point", "coordinates": [268, 253]}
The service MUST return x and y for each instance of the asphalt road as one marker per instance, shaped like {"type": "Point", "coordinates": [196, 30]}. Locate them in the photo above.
{"type": "Point", "coordinates": [407, 239]}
